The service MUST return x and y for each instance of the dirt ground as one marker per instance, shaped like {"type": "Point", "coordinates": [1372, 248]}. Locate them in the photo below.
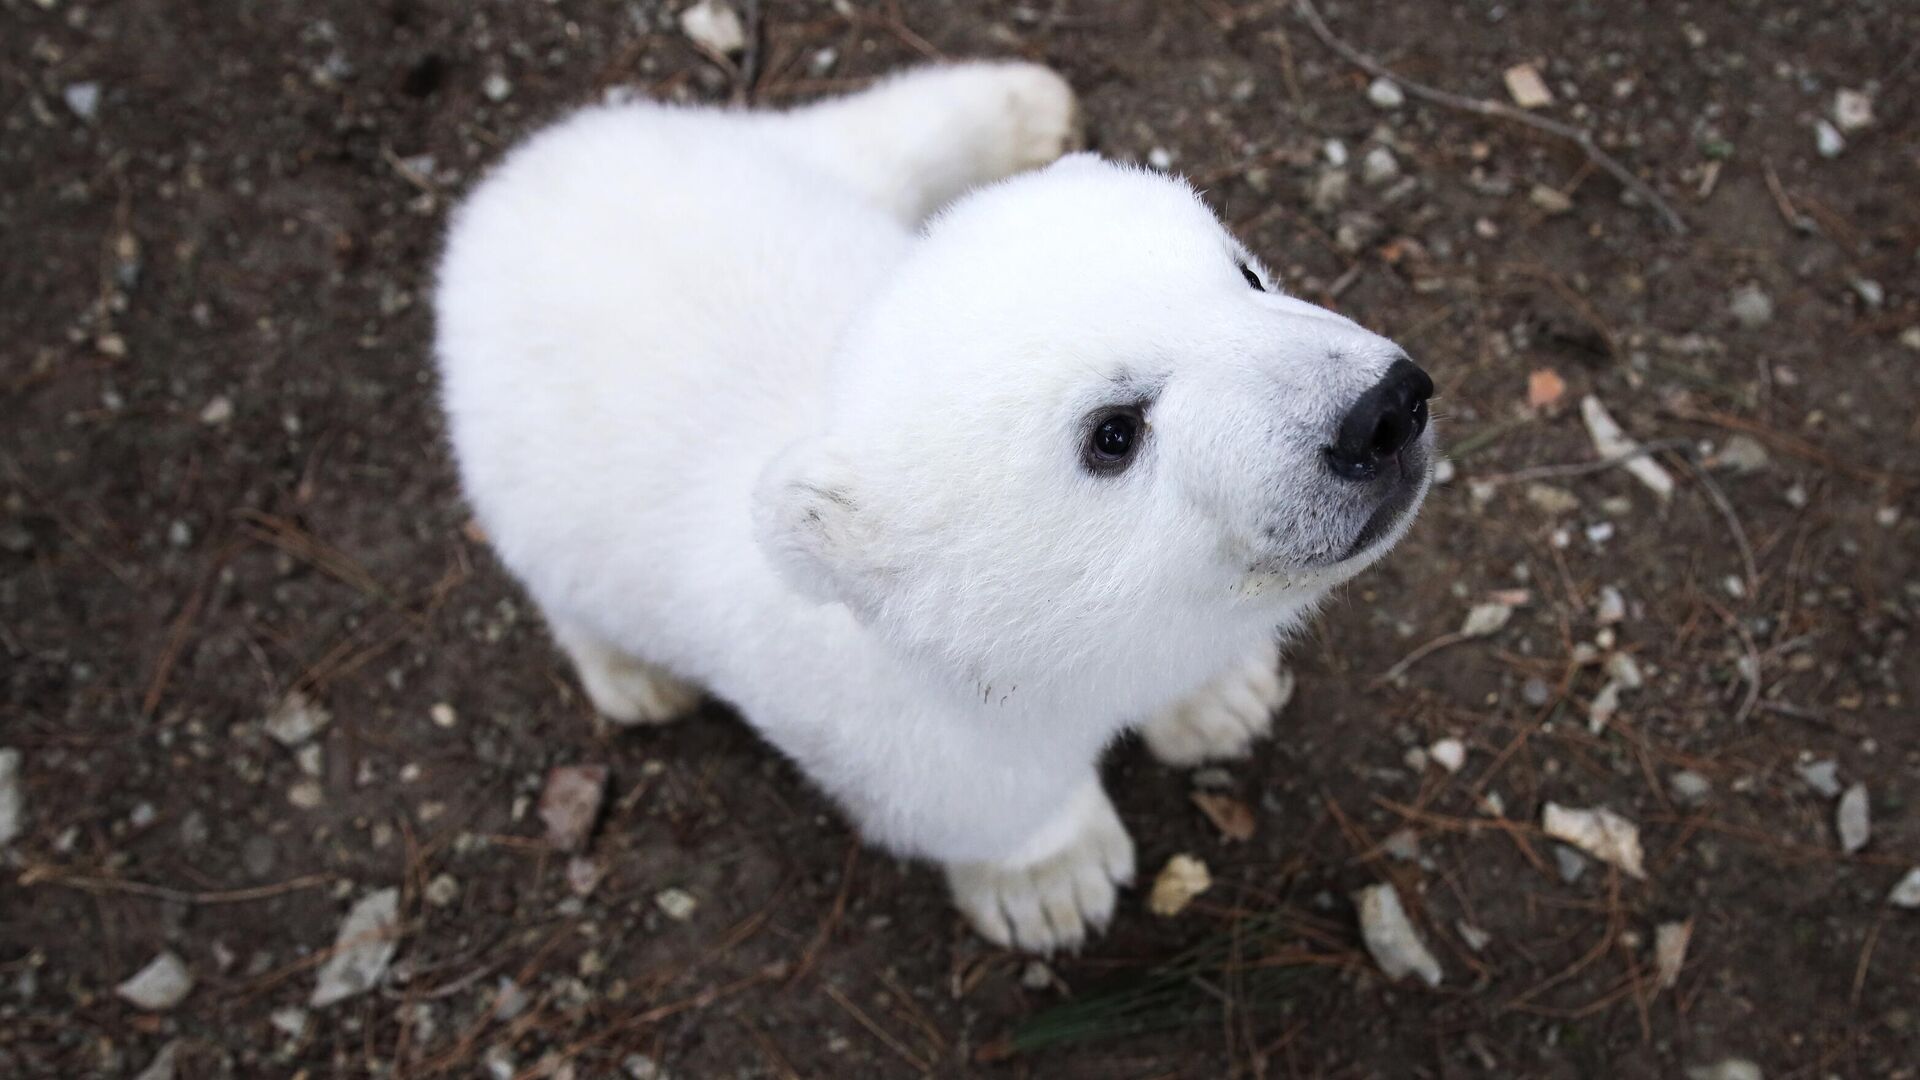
{"type": "Point", "coordinates": [222, 482]}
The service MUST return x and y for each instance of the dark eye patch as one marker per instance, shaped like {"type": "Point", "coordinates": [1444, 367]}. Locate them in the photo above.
{"type": "Point", "coordinates": [1253, 279]}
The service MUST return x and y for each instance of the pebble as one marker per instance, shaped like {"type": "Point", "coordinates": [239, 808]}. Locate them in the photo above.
{"type": "Point", "coordinates": [1827, 139]}
{"type": "Point", "coordinates": [1386, 94]}
{"type": "Point", "coordinates": [1392, 940]}
{"type": "Point", "coordinates": [1870, 292]}
{"type": "Point", "coordinates": [496, 87]}
{"type": "Point", "coordinates": [570, 803]}
{"type": "Point", "coordinates": [1379, 166]}
{"type": "Point", "coordinates": [443, 715]}
{"type": "Point", "coordinates": [1536, 692]}
{"type": "Point", "coordinates": [1402, 844]}
{"type": "Point", "coordinates": [1689, 786]}
{"type": "Point", "coordinates": [1335, 152]}
{"type": "Point", "coordinates": [1549, 199]}
{"type": "Point", "coordinates": [641, 1067]}
{"type": "Point", "coordinates": [1850, 819]}
{"type": "Point", "coordinates": [1852, 110]}
{"type": "Point", "coordinates": [1910, 338]}
{"type": "Point", "coordinates": [1485, 619]}
{"type": "Point", "coordinates": [1550, 500]}
{"type": "Point", "coordinates": [1160, 158]}
{"type": "Point", "coordinates": [822, 61]}
{"type": "Point", "coordinates": [1179, 881]}
{"type": "Point", "coordinates": [444, 889]}
{"type": "Point", "coordinates": [1600, 833]}
{"type": "Point", "coordinates": [306, 795]}
{"type": "Point", "coordinates": [163, 1066]}
{"type": "Point", "coordinates": [1730, 1069]}
{"type": "Point", "coordinates": [1743, 454]}
{"type": "Point", "coordinates": [1611, 608]}
{"type": "Point", "coordinates": [1906, 894]}
{"type": "Point", "coordinates": [364, 946]}
{"type": "Point", "coordinates": [83, 98]}
{"type": "Point", "coordinates": [162, 984]}
{"type": "Point", "coordinates": [217, 411]}
{"type": "Point", "coordinates": [676, 904]}
{"type": "Point", "coordinates": [1475, 938]}
{"type": "Point", "coordinates": [583, 875]}
{"type": "Point", "coordinates": [1449, 754]}
{"type": "Point", "coordinates": [1526, 87]}
{"type": "Point", "coordinates": [1751, 307]}
{"type": "Point", "coordinates": [290, 1021]}
{"type": "Point", "coordinates": [714, 25]}
{"type": "Point", "coordinates": [296, 719]}
{"type": "Point", "coordinates": [1036, 975]}
{"type": "Point", "coordinates": [1571, 863]}
{"type": "Point", "coordinates": [12, 800]}
{"type": "Point", "coordinates": [1329, 190]}
{"type": "Point", "coordinates": [1822, 776]}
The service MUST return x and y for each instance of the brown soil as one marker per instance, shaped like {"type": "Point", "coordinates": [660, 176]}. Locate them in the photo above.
{"type": "Point", "coordinates": [247, 218]}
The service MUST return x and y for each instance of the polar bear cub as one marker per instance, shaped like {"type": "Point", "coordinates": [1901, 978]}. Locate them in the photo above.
{"type": "Point", "coordinates": [940, 504]}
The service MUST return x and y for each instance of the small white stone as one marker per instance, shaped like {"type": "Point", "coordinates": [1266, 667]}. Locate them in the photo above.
{"type": "Point", "coordinates": [1036, 975]}
{"type": "Point", "coordinates": [1870, 292]}
{"type": "Point", "coordinates": [1485, 619]}
{"type": "Point", "coordinates": [1612, 607]}
{"type": "Point", "coordinates": [1850, 819]}
{"type": "Point", "coordinates": [1906, 894]}
{"type": "Point", "coordinates": [217, 411]}
{"type": "Point", "coordinates": [296, 719]}
{"type": "Point", "coordinates": [1392, 940]}
{"type": "Point", "coordinates": [1852, 110]}
{"type": "Point", "coordinates": [1751, 307]}
{"type": "Point", "coordinates": [1730, 1069]}
{"type": "Point", "coordinates": [12, 800]}
{"type": "Point", "coordinates": [1822, 776]}
{"type": "Point", "coordinates": [496, 87]}
{"type": "Point", "coordinates": [291, 1021]}
{"type": "Point", "coordinates": [714, 25]}
{"type": "Point", "coordinates": [306, 795]}
{"type": "Point", "coordinates": [83, 98]}
{"type": "Point", "coordinates": [676, 904]}
{"type": "Point", "coordinates": [443, 715]}
{"type": "Point", "coordinates": [1827, 139]}
{"type": "Point", "coordinates": [442, 890]}
{"type": "Point", "coordinates": [1475, 938]}
{"type": "Point", "coordinates": [162, 984]}
{"type": "Point", "coordinates": [1599, 832]}
{"type": "Point", "coordinates": [1444, 471]}
{"type": "Point", "coordinates": [1385, 93]}
{"type": "Point", "coordinates": [1450, 754]}
{"type": "Point", "coordinates": [364, 946]}
{"type": "Point", "coordinates": [1160, 158]}
{"type": "Point", "coordinates": [1336, 152]}
{"type": "Point", "coordinates": [1689, 786]}
{"type": "Point", "coordinates": [1379, 166]}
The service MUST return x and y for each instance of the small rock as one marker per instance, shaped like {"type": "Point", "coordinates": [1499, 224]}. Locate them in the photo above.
{"type": "Point", "coordinates": [1036, 975]}
{"type": "Point", "coordinates": [1485, 619]}
{"type": "Point", "coordinates": [1474, 937]}
{"type": "Point", "coordinates": [83, 98]}
{"type": "Point", "coordinates": [1599, 832]}
{"type": "Point", "coordinates": [509, 999]}
{"type": "Point", "coordinates": [496, 87]}
{"type": "Point", "coordinates": [362, 949]}
{"type": "Point", "coordinates": [1850, 819]}
{"type": "Point", "coordinates": [1385, 93]}
{"type": "Point", "coordinates": [296, 719]}
{"type": "Point", "coordinates": [1183, 878]}
{"type": "Point", "coordinates": [1329, 190]}
{"type": "Point", "coordinates": [1910, 338]}
{"type": "Point", "coordinates": [822, 61]}
{"type": "Point", "coordinates": [1751, 307]}
{"type": "Point", "coordinates": [640, 1067]}
{"type": "Point", "coordinates": [1571, 863]}
{"type": "Point", "coordinates": [12, 799]}
{"type": "Point", "coordinates": [1625, 670]}
{"type": "Point", "coordinates": [1870, 292]}
{"type": "Point", "coordinates": [1689, 786]}
{"type": "Point", "coordinates": [443, 715]}
{"type": "Point", "coordinates": [218, 411]}
{"type": "Point", "coordinates": [1606, 704]}
{"type": "Point", "coordinates": [1612, 442]}
{"type": "Point", "coordinates": [570, 804]}
{"type": "Point", "coordinates": [1536, 692]}
{"type": "Point", "coordinates": [1827, 139]}
{"type": "Point", "coordinates": [1450, 754]}
{"type": "Point", "coordinates": [1852, 110]}
{"type": "Point", "coordinates": [1335, 152]}
{"type": "Point", "coordinates": [1822, 776]}
{"type": "Point", "coordinates": [1611, 608]}
{"type": "Point", "coordinates": [1670, 942]}
{"type": "Point", "coordinates": [306, 795]}
{"type": "Point", "coordinates": [1906, 894]}
{"type": "Point", "coordinates": [163, 1065]}
{"type": "Point", "coordinates": [1743, 454]}
{"type": "Point", "coordinates": [1730, 1069]}
{"type": "Point", "coordinates": [1549, 199]}
{"type": "Point", "coordinates": [162, 984]}
{"type": "Point", "coordinates": [291, 1021]}
{"type": "Point", "coordinates": [583, 875]}
{"type": "Point", "coordinates": [676, 904]}
{"type": "Point", "coordinates": [714, 25]}
{"type": "Point", "coordinates": [1392, 940]}
{"type": "Point", "coordinates": [1552, 501]}
{"type": "Point", "coordinates": [1379, 166]}
{"type": "Point", "coordinates": [1526, 87]}
{"type": "Point", "coordinates": [1160, 158]}
{"type": "Point", "coordinates": [444, 889]}
{"type": "Point", "coordinates": [1402, 844]}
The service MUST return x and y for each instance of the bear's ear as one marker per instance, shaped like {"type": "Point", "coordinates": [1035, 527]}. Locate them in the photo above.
{"type": "Point", "coordinates": [811, 522]}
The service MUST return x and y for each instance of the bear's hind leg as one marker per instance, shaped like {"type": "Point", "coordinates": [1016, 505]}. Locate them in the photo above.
{"type": "Point", "coordinates": [917, 140]}
{"type": "Point", "coordinates": [623, 688]}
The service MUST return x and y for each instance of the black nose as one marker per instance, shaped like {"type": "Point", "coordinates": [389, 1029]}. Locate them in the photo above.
{"type": "Point", "coordinates": [1381, 423]}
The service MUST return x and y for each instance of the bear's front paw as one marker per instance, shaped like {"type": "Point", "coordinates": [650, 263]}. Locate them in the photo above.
{"type": "Point", "coordinates": [1226, 716]}
{"type": "Point", "coordinates": [1043, 117]}
{"type": "Point", "coordinates": [1054, 902]}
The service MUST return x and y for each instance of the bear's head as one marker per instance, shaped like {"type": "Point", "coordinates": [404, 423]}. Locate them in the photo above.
{"type": "Point", "coordinates": [1081, 443]}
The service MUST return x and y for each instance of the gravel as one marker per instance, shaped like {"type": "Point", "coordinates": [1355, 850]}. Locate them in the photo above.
{"type": "Point", "coordinates": [162, 984]}
{"type": "Point", "coordinates": [362, 949]}
{"type": "Point", "coordinates": [12, 799]}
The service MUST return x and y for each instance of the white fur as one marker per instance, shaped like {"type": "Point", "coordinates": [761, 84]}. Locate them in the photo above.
{"type": "Point", "coordinates": [738, 418]}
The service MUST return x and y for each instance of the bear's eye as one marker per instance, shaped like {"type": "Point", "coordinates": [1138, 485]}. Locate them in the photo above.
{"type": "Point", "coordinates": [1113, 441]}
{"type": "Point", "coordinates": [1253, 279]}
